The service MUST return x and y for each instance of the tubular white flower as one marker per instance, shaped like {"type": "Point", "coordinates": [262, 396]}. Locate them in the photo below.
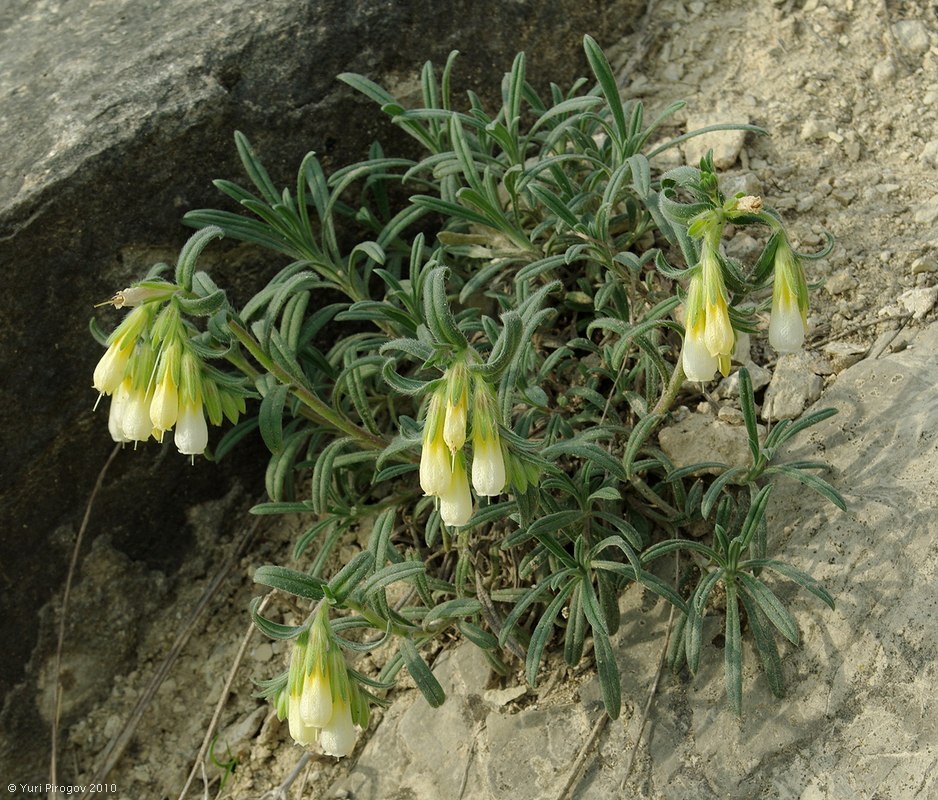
{"type": "Point", "coordinates": [191, 435]}
{"type": "Point", "coordinates": [435, 467]}
{"type": "Point", "coordinates": [110, 369]}
{"type": "Point", "coordinates": [116, 414]}
{"type": "Point", "coordinates": [718, 331]}
{"type": "Point", "coordinates": [698, 364]}
{"type": "Point", "coordinates": [164, 407]}
{"type": "Point", "coordinates": [135, 416]}
{"type": "Point", "coordinates": [788, 320]}
{"type": "Point", "coordinates": [338, 737]}
{"type": "Point", "coordinates": [302, 733]}
{"type": "Point", "coordinates": [456, 500]}
{"type": "Point", "coordinates": [316, 700]}
{"type": "Point", "coordinates": [786, 325]}
{"type": "Point", "coordinates": [488, 466]}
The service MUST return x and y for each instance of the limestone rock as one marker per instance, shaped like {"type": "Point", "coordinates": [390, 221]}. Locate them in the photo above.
{"type": "Point", "coordinates": [700, 438]}
{"type": "Point", "coordinates": [794, 386]}
{"type": "Point", "coordinates": [726, 145]}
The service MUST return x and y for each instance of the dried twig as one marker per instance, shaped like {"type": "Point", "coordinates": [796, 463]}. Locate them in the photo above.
{"type": "Point", "coordinates": [72, 566]}
{"type": "Point", "coordinates": [222, 700]}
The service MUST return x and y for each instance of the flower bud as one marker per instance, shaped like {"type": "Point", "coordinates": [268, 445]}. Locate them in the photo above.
{"type": "Point", "coordinates": [457, 407]}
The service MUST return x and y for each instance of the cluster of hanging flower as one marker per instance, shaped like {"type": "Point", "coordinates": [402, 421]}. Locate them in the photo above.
{"type": "Point", "coordinates": [443, 458]}
{"type": "Point", "coordinates": [710, 340]}
{"type": "Point", "coordinates": [155, 378]}
{"type": "Point", "coordinates": [321, 701]}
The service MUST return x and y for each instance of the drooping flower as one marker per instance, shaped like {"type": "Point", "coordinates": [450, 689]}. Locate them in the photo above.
{"type": "Point", "coordinates": [191, 437]}
{"type": "Point", "coordinates": [456, 499]}
{"type": "Point", "coordinates": [435, 457]}
{"type": "Point", "coordinates": [112, 367]}
{"type": "Point", "coordinates": [709, 339]}
{"type": "Point", "coordinates": [337, 738]}
{"type": "Point", "coordinates": [488, 463]}
{"type": "Point", "coordinates": [788, 320]}
{"type": "Point", "coordinates": [320, 693]}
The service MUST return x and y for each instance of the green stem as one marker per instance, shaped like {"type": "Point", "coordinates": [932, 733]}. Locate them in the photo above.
{"type": "Point", "coordinates": [671, 391]}
{"type": "Point", "coordinates": [318, 410]}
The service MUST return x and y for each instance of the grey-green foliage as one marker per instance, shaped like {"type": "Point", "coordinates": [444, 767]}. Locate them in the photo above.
{"type": "Point", "coordinates": [544, 237]}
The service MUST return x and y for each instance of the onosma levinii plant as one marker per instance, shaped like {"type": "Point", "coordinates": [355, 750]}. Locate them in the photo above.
{"type": "Point", "coordinates": [512, 317]}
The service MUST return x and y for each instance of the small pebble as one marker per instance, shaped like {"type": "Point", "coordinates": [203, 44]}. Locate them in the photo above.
{"type": "Point", "coordinates": [912, 36]}
{"type": "Point", "coordinates": [840, 282]}
{"type": "Point", "coordinates": [884, 71]}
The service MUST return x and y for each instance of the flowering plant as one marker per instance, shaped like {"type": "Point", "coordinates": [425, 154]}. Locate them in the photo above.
{"type": "Point", "coordinates": [511, 339]}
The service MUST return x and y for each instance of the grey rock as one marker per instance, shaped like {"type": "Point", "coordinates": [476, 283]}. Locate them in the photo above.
{"type": "Point", "coordinates": [919, 302]}
{"type": "Point", "coordinates": [927, 212]}
{"type": "Point", "coordinates": [793, 388]}
{"type": "Point", "coordinates": [843, 354]}
{"type": "Point", "coordinates": [726, 145]}
{"type": "Point", "coordinates": [729, 386]}
{"type": "Point", "coordinates": [912, 36]}
{"type": "Point", "coordinates": [840, 282]}
{"type": "Point", "coordinates": [884, 71]}
{"type": "Point", "coordinates": [700, 438]}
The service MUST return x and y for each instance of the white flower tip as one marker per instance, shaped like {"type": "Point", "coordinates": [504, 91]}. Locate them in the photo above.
{"type": "Point", "coordinates": [338, 738]}
{"type": "Point", "coordinates": [698, 364]}
{"type": "Point", "coordinates": [786, 329]}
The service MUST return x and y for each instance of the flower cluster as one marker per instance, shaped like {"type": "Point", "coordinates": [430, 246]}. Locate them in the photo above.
{"type": "Point", "coordinates": [710, 338]}
{"type": "Point", "coordinates": [156, 379]}
{"type": "Point", "coordinates": [443, 458]}
{"type": "Point", "coordinates": [321, 701]}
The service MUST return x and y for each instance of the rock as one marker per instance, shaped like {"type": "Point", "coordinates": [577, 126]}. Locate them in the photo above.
{"type": "Point", "coordinates": [726, 145]}
{"type": "Point", "coordinates": [912, 36]}
{"type": "Point", "coordinates": [815, 130]}
{"type": "Point", "coordinates": [843, 354]}
{"type": "Point", "coordinates": [919, 302]}
{"type": "Point", "coordinates": [924, 265]}
{"type": "Point", "coordinates": [700, 438]}
{"type": "Point", "coordinates": [729, 386]}
{"type": "Point", "coordinates": [840, 282]}
{"type": "Point", "coordinates": [794, 386]}
{"type": "Point", "coordinates": [235, 740]}
{"type": "Point", "coordinates": [929, 153]}
{"type": "Point", "coordinates": [927, 212]}
{"type": "Point", "coordinates": [747, 183]}
{"type": "Point", "coordinates": [883, 71]}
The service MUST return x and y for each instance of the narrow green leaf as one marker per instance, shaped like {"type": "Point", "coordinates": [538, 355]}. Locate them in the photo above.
{"type": "Point", "coordinates": [290, 580]}
{"type": "Point", "coordinates": [425, 680]}
{"type": "Point", "coordinates": [765, 645]}
{"type": "Point", "coordinates": [608, 671]}
{"type": "Point", "coordinates": [776, 613]}
{"type": "Point", "coordinates": [812, 481]}
{"type": "Point", "coordinates": [351, 575]}
{"type": "Point", "coordinates": [733, 652]}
